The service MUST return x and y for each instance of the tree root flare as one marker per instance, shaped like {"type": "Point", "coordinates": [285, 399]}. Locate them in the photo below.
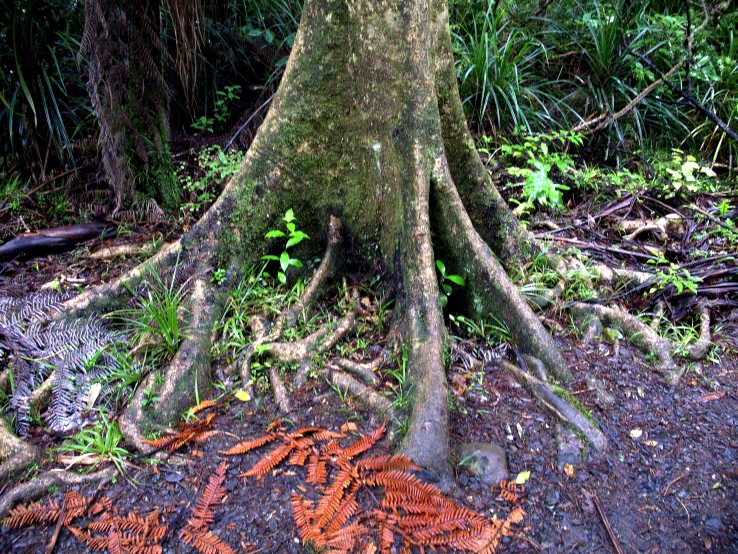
{"type": "Point", "coordinates": [40, 485]}
{"type": "Point", "coordinates": [281, 396]}
{"type": "Point", "coordinates": [560, 408]}
{"type": "Point", "coordinates": [15, 454]}
{"type": "Point", "coordinates": [321, 340]}
{"type": "Point", "coordinates": [166, 256]}
{"type": "Point", "coordinates": [367, 372]}
{"type": "Point", "coordinates": [488, 286]}
{"type": "Point", "coordinates": [325, 271]}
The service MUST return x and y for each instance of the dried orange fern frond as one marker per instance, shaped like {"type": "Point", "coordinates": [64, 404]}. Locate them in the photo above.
{"type": "Point", "coordinates": [386, 463]}
{"type": "Point", "coordinates": [317, 470]}
{"type": "Point", "coordinates": [246, 446]}
{"type": "Point", "coordinates": [204, 513]}
{"type": "Point", "coordinates": [205, 404]}
{"type": "Point", "coordinates": [270, 461]}
{"type": "Point", "coordinates": [196, 531]}
{"type": "Point", "coordinates": [363, 444]}
{"type": "Point", "coordinates": [205, 542]}
{"type": "Point", "coordinates": [510, 491]}
{"type": "Point", "coordinates": [74, 505]}
{"type": "Point", "coordinates": [130, 533]}
{"type": "Point", "coordinates": [187, 432]}
{"type": "Point", "coordinates": [409, 513]}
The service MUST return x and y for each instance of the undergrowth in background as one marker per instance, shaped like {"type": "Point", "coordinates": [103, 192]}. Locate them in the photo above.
{"type": "Point", "coordinates": [521, 65]}
{"type": "Point", "coordinates": [525, 69]}
{"type": "Point", "coordinates": [203, 185]}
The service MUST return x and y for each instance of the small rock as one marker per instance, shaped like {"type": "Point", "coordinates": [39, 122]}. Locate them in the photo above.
{"type": "Point", "coordinates": [485, 460]}
{"type": "Point", "coordinates": [569, 446]}
{"type": "Point", "coordinates": [552, 498]}
{"type": "Point", "coordinates": [714, 524]}
{"type": "Point", "coordinates": [604, 398]}
{"type": "Point", "coordinates": [574, 536]}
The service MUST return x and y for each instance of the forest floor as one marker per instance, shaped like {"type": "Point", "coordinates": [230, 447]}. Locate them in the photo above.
{"type": "Point", "coordinates": [667, 484]}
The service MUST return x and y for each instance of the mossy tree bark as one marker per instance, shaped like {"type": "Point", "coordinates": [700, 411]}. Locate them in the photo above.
{"type": "Point", "coordinates": [367, 126]}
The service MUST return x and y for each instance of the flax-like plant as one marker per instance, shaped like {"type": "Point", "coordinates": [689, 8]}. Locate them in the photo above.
{"type": "Point", "coordinates": [103, 440]}
{"type": "Point", "coordinates": [498, 67]}
{"type": "Point", "coordinates": [154, 323]}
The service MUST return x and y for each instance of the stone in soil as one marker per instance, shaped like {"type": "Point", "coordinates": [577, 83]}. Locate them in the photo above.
{"type": "Point", "coordinates": [486, 460]}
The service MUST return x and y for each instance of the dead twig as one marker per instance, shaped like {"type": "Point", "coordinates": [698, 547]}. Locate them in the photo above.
{"type": "Point", "coordinates": [679, 478]}
{"type": "Point", "coordinates": [606, 523]}
{"type": "Point", "coordinates": [57, 528]}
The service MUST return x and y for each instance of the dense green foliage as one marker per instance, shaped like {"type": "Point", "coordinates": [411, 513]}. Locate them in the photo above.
{"type": "Point", "coordinates": [525, 68]}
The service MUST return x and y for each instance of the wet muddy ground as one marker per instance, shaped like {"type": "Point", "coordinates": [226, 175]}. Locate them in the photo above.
{"type": "Point", "coordinates": [667, 484]}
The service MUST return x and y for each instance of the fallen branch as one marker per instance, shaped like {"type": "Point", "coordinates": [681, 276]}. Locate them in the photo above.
{"type": "Point", "coordinates": [54, 240]}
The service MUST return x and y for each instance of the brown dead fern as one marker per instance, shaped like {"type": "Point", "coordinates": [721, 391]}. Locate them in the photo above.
{"type": "Point", "coordinates": [374, 505]}
{"type": "Point", "coordinates": [197, 431]}
{"type": "Point", "coordinates": [196, 532]}
{"type": "Point", "coordinates": [130, 534]}
{"type": "Point", "coordinates": [73, 506]}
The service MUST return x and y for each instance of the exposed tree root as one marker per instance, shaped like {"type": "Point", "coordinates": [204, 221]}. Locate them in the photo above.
{"type": "Point", "coordinates": [40, 485]}
{"type": "Point", "coordinates": [325, 271]}
{"type": "Point", "coordinates": [364, 394]}
{"type": "Point", "coordinates": [104, 293]}
{"type": "Point", "coordinates": [367, 372]}
{"type": "Point", "coordinates": [699, 349]}
{"type": "Point", "coordinates": [562, 409]}
{"type": "Point", "coordinates": [41, 396]}
{"type": "Point", "coordinates": [615, 275]}
{"type": "Point", "coordinates": [645, 338]}
{"type": "Point", "coordinates": [488, 285]}
{"type": "Point", "coordinates": [15, 454]}
{"type": "Point", "coordinates": [186, 377]}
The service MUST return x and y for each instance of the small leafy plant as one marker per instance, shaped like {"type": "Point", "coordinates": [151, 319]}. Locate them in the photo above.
{"type": "Point", "coordinates": [214, 165]}
{"type": "Point", "coordinates": [104, 440]}
{"type": "Point", "coordinates": [294, 237]}
{"type": "Point", "coordinates": [155, 322]}
{"type": "Point", "coordinates": [221, 112]}
{"type": "Point", "coordinates": [673, 275]}
{"type": "Point", "coordinates": [684, 175]}
{"type": "Point", "coordinates": [539, 189]}
{"type": "Point", "coordinates": [445, 282]}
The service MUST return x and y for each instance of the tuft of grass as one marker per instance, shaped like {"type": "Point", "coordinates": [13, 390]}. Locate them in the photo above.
{"type": "Point", "coordinates": [154, 323]}
{"type": "Point", "coordinates": [103, 440]}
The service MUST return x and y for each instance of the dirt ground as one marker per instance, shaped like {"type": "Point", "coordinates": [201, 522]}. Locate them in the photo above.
{"type": "Point", "coordinates": [668, 484]}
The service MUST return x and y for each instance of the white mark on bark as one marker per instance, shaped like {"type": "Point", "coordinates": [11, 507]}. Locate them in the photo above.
{"type": "Point", "coordinates": [377, 147]}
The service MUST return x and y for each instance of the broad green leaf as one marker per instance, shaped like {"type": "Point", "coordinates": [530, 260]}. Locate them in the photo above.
{"type": "Point", "coordinates": [289, 216]}
{"type": "Point", "coordinates": [284, 261]}
{"type": "Point", "coordinates": [457, 279]}
{"type": "Point", "coordinates": [270, 257]}
{"type": "Point", "coordinates": [291, 227]}
{"type": "Point", "coordinates": [522, 478]}
{"type": "Point", "coordinates": [441, 267]}
{"type": "Point", "coordinates": [296, 238]}
{"type": "Point", "coordinates": [294, 262]}
{"type": "Point", "coordinates": [282, 278]}
{"type": "Point", "coordinates": [274, 234]}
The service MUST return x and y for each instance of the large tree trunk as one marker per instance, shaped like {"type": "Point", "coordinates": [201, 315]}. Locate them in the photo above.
{"type": "Point", "coordinates": [367, 126]}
